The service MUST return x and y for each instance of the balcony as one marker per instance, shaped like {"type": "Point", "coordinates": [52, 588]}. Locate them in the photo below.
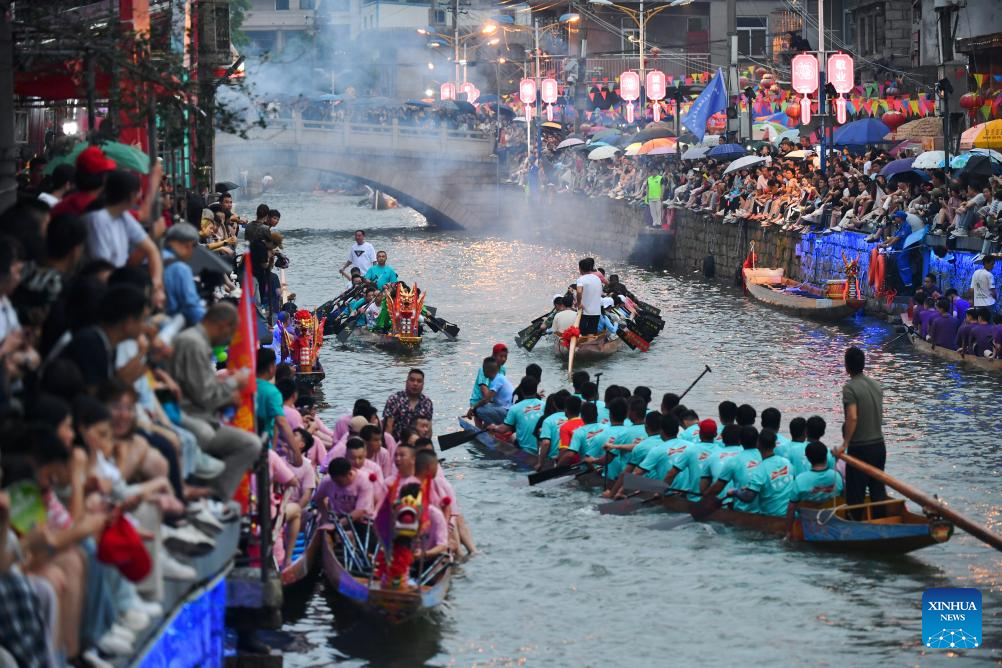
{"type": "Point", "coordinates": [270, 19]}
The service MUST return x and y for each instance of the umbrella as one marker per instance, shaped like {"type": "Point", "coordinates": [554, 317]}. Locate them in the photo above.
{"type": "Point", "coordinates": [595, 129]}
{"type": "Point", "coordinates": [959, 161]}
{"type": "Point", "coordinates": [863, 131]}
{"type": "Point", "coordinates": [650, 133]}
{"type": "Point", "coordinates": [930, 160]}
{"type": "Point", "coordinates": [226, 186]}
{"type": "Point", "coordinates": [896, 167]}
{"type": "Point", "coordinates": [983, 135]}
{"type": "Point", "coordinates": [727, 151]}
{"type": "Point", "coordinates": [487, 97]}
{"type": "Point", "coordinates": [745, 163]}
{"type": "Point", "coordinates": [125, 156]}
{"type": "Point", "coordinates": [695, 153]}
{"type": "Point", "coordinates": [767, 130]}
{"type": "Point", "coordinates": [800, 153]}
{"type": "Point", "coordinates": [609, 136]}
{"type": "Point", "coordinates": [603, 153]}
{"type": "Point", "coordinates": [570, 141]}
{"type": "Point", "coordinates": [552, 125]}
{"type": "Point", "coordinates": [418, 103]}
{"type": "Point", "coordinates": [977, 166]}
{"type": "Point", "coordinates": [633, 148]}
{"type": "Point", "coordinates": [792, 135]}
{"type": "Point", "coordinates": [659, 146]}
{"type": "Point", "coordinates": [204, 259]}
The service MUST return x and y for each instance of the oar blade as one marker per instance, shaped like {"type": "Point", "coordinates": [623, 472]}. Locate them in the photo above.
{"type": "Point", "coordinates": [705, 507]}
{"type": "Point", "coordinates": [556, 472]}
{"type": "Point", "coordinates": [454, 440]}
{"type": "Point", "coordinates": [621, 507]}
{"type": "Point", "coordinates": [673, 523]}
{"type": "Point", "coordinates": [638, 483]}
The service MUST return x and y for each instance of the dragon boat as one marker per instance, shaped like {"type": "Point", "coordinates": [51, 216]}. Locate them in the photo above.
{"type": "Point", "coordinates": [837, 300]}
{"type": "Point", "coordinates": [398, 326]}
{"type": "Point", "coordinates": [987, 363]}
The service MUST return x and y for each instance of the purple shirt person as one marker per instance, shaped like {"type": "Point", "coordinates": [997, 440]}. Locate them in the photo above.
{"type": "Point", "coordinates": [925, 316]}
{"type": "Point", "coordinates": [943, 330]}
{"type": "Point", "coordinates": [960, 306]}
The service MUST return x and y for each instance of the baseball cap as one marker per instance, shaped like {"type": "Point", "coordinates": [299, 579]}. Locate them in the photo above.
{"type": "Point", "coordinates": [182, 232]}
{"type": "Point", "coordinates": [357, 423]}
{"type": "Point", "coordinates": [93, 161]}
{"type": "Point", "coordinates": [900, 214]}
{"type": "Point", "coordinates": [707, 428]}
{"type": "Point", "coordinates": [498, 347]}
{"type": "Point", "coordinates": [607, 302]}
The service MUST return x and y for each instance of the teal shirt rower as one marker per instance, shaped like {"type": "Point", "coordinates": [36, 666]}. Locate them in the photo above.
{"type": "Point", "coordinates": [690, 433]}
{"type": "Point", "coordinates": [522, 417]}
{"type": "Point", "coordinates": [721, 459]}
{"type": "Point", "coordinates": [694, 462]}
{"type": "Point", "coordinates": [381, 275]}
{"type": "Point", "coordinates": [477, 393]}
{"type": "Point", "coordinates": [610, 436]}
{"type": "Point", "coordinates": [643, 448]}
{"type": "Point", "coordinates": [816, 486]}
{"type": "Point", "coordinates": [739, 475]}
{"type": "Point", "coordinates": [661, 459]}
{"type": "Point", "coordinates": [551, 429]}
{"type": "Point", "coordinates": [773, 481]}
{"type": "Point", "coordinates": [583, 437]}
{"type": "Point", "coordinates": [795, 451]}
{"type": "Point", "coordinates": [268, 406]}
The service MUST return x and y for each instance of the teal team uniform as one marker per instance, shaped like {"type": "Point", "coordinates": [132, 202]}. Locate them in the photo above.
{"type": "Point", "coordinates": [603, 412]}
{"type": "Point", "coordinates": [695, 461]}
{"type": "Point", "coordinates": [477, 394]}
{"type": "Point", "coordinates": [739, 475]}
{"type": "Point", "coordinates": [268, 406]}
{"type": "Point", "coordinates": [357, 304]}
{"type": "Point", "coordinates": [773, 481]}
{"type": "Point", "coordinates": [551, 429]}
{"type": "Point", "coordinates": [634, 435]}
{"type": "Point", "coordinates": [795, 452]}
{"type": "Point", "coordinates": [611, 436]}
{"type": "Point", "coordinates": [661, 459]}
{"type": "Point", "coordinates": [381, 275]}
{"type": "Point", "coordinates": [643, 448]}
{"type": "Point", "coordinates": [719, 461]}
{"type": "Point", "coordinates": [522, 417]}
{"type": "Point", "coordinates": [816, 486]}
{"type": "Point", "coordinates": [690, 433]}
{"type": "Point", "coordinates": [583, 437]}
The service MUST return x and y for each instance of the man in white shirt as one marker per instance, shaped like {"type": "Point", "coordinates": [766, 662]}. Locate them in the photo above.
{"type": "Point", "coordinates": [61, 182]}
{"type": "Point", "coordinates": [589, 288]}
{"type": "Point", "coordinates": [362, 255]}
{"type": "Point", "coordinates": [566, 315]}
{"type": "Point", "coordinates": [983, 284]}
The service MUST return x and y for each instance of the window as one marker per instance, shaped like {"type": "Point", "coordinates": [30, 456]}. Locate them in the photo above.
{"type": "Point", "coordinates": [697, 23]}
{"type": "Point", "coordinates": [630, 38]}
{"type": "Point", "coordinates": [752, 35]}
{"type": "Point", "coordinates": [281, 5]}
{"type": "Point", "coordinates": [861, 44]}
{"type": "Point", "coordinates": [222, 28]}
{"type": "Point", "coordinates": [439, 17]}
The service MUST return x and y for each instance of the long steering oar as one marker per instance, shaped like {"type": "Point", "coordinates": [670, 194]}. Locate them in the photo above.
{"type": "Point", "coordinates": [557, 472]}
{"type": "Point", "coordinates": [573, 346]}
{"type": "Point", "coordinates": [454, 440]}
{"type": "Point", "coordinates": [981, 533]}
{"type": "Point", "coordinates": [705, 371]}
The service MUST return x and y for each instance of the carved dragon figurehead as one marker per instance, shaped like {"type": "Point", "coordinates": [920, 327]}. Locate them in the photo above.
{"type": "Point", "coordinates": [851, 267]}
{"type": "Point", "coordinates": [407, 516]}
{"type": "Point", "coordinates": [405, 310]}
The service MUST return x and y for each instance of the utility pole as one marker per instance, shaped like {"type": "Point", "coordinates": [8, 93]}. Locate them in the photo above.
{"type": "Point", "coordinates": [943, 86]}
{"type": "Point", "coordinates": [822, 83]}
{"type": "Point", "coordinates": [732, 70]}
{"type": "Point", "coordinates": [539, 108]}
{"type": "Point", "coordinates": [643, 52]}
{"type": "Point", "coordinates": [455, 39]}
{"type": "Point", "coordinates": [8, 149]}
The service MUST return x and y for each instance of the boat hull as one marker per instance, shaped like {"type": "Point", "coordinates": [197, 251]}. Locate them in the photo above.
{"type": "Point", "coordinates": [589, 348]}
{"type": "Point", "coordinates": [387, 605]}
{"type": "Point", "coordinates": [305, 565]}
{"type": "Point", "coordinates": [389, 342]}
{"type": "Point", "coordinates": [820, 307]}
{"type": "Point", "coordinates": [993, 365]}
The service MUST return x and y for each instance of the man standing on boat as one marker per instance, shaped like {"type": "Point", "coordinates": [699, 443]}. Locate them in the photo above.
{"type": "Point", "coordinates": [404, 408]}
{"type": "Point", "coordinates": [361, 255]}
{"type": "Point", "coordinates": [862, 433]}
{"type": "Point", "coordinates": [589, 296]}
{"type": "Point", "coordinates": [381, 273]}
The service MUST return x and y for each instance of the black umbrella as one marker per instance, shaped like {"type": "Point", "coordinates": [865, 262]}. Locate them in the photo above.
{"type": "Point", "coordinates": [204, 259]}
{"type": "Point", "coordinates": [226, 186]}
{"type": "Point", "coordinates": [979, 166]}
{"type": "Point", "coordinates": [649, 133]}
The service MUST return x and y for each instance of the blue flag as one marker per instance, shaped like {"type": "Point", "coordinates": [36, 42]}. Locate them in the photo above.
{"type": "Point", "coordinates": [712, 100]}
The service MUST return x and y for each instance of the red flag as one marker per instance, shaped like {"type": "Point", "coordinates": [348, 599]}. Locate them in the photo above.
{"type": "Point", "coordinates": [243, 355]}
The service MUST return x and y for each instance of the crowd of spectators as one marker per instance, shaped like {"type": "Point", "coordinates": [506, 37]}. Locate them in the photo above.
{"type": "Point", "coordinates": [116, 458]}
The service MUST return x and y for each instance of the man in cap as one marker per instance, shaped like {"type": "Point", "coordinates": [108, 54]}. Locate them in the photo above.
{"type": "Point", "coordinates": [908, 223]}
{"type": "Point", "coordinates": [179, 282]}
{"type": "Point", "coordinates": [500, 354]}
{"type": "Point", "coordinates": [91, 168]}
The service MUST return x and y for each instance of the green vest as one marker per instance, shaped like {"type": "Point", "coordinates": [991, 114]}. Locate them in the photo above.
{"type": "Point", "coordinates": [654, 189]}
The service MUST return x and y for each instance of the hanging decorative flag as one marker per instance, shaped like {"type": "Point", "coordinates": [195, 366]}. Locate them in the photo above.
{"type": "Point", "coordinates": [629, 90]}
{"type": "Point", "coordinates": [805, 81]}
{"type": "Point", "coordinates": [548, 92]}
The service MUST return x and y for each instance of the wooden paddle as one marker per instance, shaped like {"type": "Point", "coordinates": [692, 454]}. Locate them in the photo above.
{"type": "Point", "coordinates": [573, 346]}
{"type": "Point", "coordinates": [981, 533]}
{"type": "Point", "coordinates": [557, 472]}
{"type": "Point", "coordinates": [449, 441]}
{"type": "Point", "coordinates": [705, 371]}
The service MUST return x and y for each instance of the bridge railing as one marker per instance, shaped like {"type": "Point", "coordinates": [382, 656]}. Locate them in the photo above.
{"type": "Point", "coordinates": [390, 138]}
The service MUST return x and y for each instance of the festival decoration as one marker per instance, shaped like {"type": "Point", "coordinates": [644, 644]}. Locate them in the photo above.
{"type": "Point", "coordinates": [629, 90]}
{"type": "Point", "coordinates": [527, 94]}
{"type": "Point", "coordinates": [805, 81]}
{"type": "Point", "coordinates": [657, 88]}
{"type": "Point", "coordinates": [841, 75]}
{"type": "Point", "coordinates": [404, 309]}
{"type": "Point", "coordinates": [447, 91]}
{"type": "Point", "coordinates": [893, 119]}
{"type": "Point", "coordinates": [793, 111]}
{"type": "Point", "coordinates": [548, 93]}
{"type": "Point", "coordinates": [471, 92]}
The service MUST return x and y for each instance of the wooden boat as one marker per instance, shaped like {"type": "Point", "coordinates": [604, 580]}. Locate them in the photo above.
{"type": "Point", "coordinates": [499, 449]}
{"type": "Point", "coordinates": [770, 287]}
{"type": "Point", "coordinates": [994, 365]}
{"type": "Point", "coordinates": [395, 342]}
{"type": "Point", "coordinates": [591, 347]}
{"type": "Point", "coordinates": [305, 558]}
{"type": "Point", "coordinates": [354, 589]}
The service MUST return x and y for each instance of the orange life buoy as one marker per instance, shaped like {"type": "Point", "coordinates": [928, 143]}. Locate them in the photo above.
{"type": "Point", "coordinates": [879, 273]}
{"type": "Point", "coordinates": [871, 271]}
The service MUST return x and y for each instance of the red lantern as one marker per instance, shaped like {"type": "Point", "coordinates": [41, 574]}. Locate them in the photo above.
{"type": "Point", "coordinates": [793, 111]}
{"type": "Point", "coordinates": [760, 72]}
{"type": "Point", "coordinates": [893, 119]}
{"type": "Point", "coordinates": [744, 82]}
{"type": "Point", "coordinates": [971, 101]}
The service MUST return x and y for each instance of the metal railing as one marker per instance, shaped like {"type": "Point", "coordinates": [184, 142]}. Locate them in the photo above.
{"type": "Point", "coordinates": [674, 62]}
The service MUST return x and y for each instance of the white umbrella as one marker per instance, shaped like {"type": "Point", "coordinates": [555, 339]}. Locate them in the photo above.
{"type": "Point", "coordinates": [603, 153]}
{"type": "Point", "coordinates": [799, 153]}
{"type": "Point", "coordinates": [792, 135]}
{"type": "Point", "coordinates": [930, 160]}
{"type": "Point", "coordinates": [696, 152]}
{"type": "Point", "coordinates": [745, 163]}
{"type": "Point", "coordinates": [570, 141]}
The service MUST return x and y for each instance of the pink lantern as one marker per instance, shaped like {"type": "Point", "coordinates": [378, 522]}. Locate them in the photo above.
{"type": "Point", "coordinates": [842, 76]}
{"type": "Point", "coordinates": [527, 94]}
{"type": "Point", "coordinates": [470, 91]}
{"type": "Point", "coordinates": [805, 80]}
{"type": "Point", "coordinates": [447, 91]}
{"type": "Point", "coordinates": [629, 90]}
{"type": "Point", "coordinates": [657, 88]}
{"type": "Point", "coordinates": [548, 92]}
